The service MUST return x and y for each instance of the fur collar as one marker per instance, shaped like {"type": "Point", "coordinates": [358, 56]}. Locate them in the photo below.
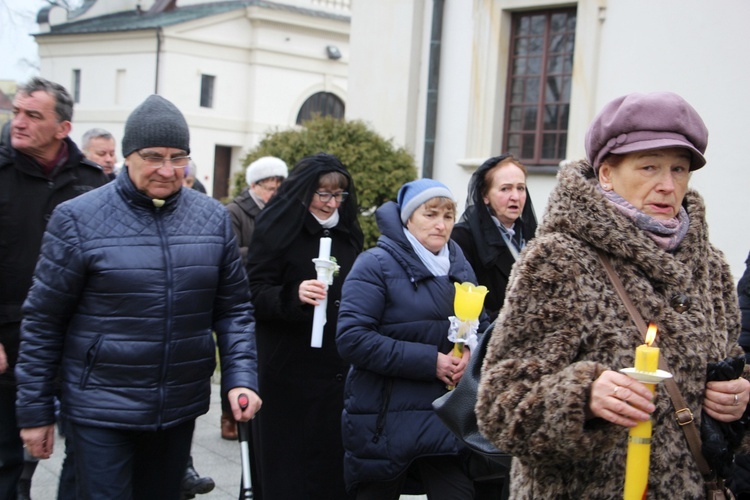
{"type": "Point", "coordinates": [577, 208]}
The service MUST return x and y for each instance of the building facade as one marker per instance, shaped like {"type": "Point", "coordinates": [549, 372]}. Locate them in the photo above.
{"type": "Point", "coordinates": [236, 69]}
{"type": "Point", "coordinates": [465, 80]}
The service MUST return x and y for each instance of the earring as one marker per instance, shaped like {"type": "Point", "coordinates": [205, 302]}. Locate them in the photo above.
{"type": "Point", "coordinates": [606, 187]}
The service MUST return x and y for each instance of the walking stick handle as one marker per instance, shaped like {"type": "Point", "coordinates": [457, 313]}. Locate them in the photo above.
{"type": "Point", "coordinates": [243, 429]}
{"type": "Point", "coordinates": [243, 400]}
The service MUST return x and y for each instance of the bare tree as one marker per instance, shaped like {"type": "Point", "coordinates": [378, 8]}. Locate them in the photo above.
{"type": "Point", "coordinates": [17, 18]}
{"type": "Point", "coordinates": [69, 5]}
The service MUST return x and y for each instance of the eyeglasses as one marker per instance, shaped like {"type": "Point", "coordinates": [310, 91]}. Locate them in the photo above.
{"type": "Point", "coordinates": [156, 161]}
{"type": "Point", "coordinates": [269, 187]}
{"type": "Point", "coordinates": [326, 197]}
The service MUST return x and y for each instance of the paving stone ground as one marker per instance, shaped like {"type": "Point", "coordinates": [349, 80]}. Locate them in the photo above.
{"type": "Point", "coordinates": [212, 456]}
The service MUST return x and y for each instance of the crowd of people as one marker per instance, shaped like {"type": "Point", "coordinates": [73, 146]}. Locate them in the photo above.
{"type": "Point", "coordinates": [122, 290]}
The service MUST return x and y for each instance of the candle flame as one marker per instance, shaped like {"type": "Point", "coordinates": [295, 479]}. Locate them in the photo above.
{"type": "Point", "coordinates": [651, 334]}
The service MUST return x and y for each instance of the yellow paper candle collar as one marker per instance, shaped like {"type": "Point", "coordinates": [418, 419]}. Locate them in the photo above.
{"type": "Point", "coordinates": [469, 300]}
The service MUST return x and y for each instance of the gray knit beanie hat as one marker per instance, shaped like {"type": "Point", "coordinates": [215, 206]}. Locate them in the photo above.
{"type": "Point", "coordinates": [156, 123]}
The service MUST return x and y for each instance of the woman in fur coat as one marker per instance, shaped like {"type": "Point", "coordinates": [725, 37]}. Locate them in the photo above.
{"type": "Point", "coordinates": [551, 393]}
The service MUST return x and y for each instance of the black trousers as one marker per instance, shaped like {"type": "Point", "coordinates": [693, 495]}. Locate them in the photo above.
{"type": "Point", "coordinates": [117, 464]}
{"type": "Point", "coordinates": [443, 478]}
{"type": "Point", "coordinates": [11, 446]}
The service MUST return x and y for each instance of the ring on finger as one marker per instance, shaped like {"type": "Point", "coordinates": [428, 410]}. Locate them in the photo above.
{"type": "Point", "coordinates": [736, 400]}
{"type": "Point", "coordinates": [614, 391]}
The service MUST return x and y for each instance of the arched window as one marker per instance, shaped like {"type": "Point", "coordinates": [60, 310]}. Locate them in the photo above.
{"type": "Point", "coordinates": [323, 104]}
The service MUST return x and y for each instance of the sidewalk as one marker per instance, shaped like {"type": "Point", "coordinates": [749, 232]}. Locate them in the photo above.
{"type": "Point", "coordinates": [212, 456]}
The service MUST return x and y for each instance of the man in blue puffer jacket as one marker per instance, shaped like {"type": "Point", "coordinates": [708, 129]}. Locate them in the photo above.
{"type": "Point", "coordinates": [132, 280]}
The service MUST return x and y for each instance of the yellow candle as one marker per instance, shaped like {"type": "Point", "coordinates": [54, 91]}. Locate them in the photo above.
{"type": "Point", "coordinates": [467, 305]}
{"type": "Point", "coordinates": [639, 456]}
{"type": "Point", "coordinates": [639, 437]}
{"type": "Point", "coordinates": [646, 358]}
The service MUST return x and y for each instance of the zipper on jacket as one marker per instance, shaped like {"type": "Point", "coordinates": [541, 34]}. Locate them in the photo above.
{"type": "Point", "coordinates": [168, 311]}
{"type": "Point", "coordinates": [380, 423]}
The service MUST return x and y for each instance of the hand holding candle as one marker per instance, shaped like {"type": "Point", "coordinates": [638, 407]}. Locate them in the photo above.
{"type": "Point", "coordinates": [325, 269]}
{"type": "Point", "coordinates": [467, 306]}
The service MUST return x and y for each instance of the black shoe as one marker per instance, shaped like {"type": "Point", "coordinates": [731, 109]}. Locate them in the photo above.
{"type": "Point", "coordinates": [193, 484]}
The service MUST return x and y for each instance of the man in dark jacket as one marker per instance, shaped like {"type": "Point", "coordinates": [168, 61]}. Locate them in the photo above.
{"type": "Point", "coordinates": [132, 280]}
{"type": "Point", "coordinates": [263, 177]}
{"type": "Point", "coordinates": [740, 482]}
{"type": "Point", "coordinates": [40, 167]}
{"type": "Point", "coordinates": [99, 146]}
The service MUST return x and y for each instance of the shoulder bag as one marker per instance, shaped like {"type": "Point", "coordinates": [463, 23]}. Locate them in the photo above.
{"type": "Point", "coordinates": [456, 408]}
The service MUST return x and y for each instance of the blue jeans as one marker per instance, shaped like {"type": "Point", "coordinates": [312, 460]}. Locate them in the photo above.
{"type": "Point", "coordinates": [117, 464]}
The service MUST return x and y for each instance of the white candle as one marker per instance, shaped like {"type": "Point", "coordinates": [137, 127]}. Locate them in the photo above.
{"type": "Point", "coordinates": [319, 316]}
{"type": "Point", "coordinates": [325, 248]}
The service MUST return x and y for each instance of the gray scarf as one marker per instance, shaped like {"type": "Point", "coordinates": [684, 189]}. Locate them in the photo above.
{"type": "Point", "coordinates": [668, 234]}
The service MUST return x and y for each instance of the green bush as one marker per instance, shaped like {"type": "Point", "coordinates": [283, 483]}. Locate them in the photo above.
{"type": "Point", "coordinates": [376, 165]}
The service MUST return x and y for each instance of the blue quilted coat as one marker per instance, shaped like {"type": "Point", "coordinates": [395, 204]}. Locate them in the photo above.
{"type": "Point", "coordinates": [122, 309]}
{"type": "Point", "coordinates": [393, 321]}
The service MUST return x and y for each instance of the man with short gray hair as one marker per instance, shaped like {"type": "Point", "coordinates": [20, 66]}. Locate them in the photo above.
{"type": "Point", "coordinates": [40, 167]}
{"type": "Point", "coordinates": [99, 146]}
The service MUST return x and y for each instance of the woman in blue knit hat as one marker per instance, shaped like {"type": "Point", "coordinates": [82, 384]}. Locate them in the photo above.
{"type": "Point", "coordinates": [393, 329]}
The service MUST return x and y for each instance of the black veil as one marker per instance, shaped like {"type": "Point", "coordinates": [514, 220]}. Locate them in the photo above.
{"type": "Point", "coordinates": [281, 220]}
{"type": "Point", "coordinates": [478, 218]}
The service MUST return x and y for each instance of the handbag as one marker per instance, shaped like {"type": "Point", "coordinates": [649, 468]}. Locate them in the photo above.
{"type": "Point", "coordinates": [456, 408]}
{"type": "Point", "coordinates": [716, 489]}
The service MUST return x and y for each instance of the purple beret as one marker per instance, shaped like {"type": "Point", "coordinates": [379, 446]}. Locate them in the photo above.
{"type": "Point", "coordinates": [638, 122]}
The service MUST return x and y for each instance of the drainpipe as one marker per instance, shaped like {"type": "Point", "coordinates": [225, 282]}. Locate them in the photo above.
{"type": "Point", "coordinates": [433, 80]}
{"type": "Point", "coordinates": [158, 58]}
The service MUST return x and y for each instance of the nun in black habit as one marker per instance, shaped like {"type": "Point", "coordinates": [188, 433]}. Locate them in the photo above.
{"type": "Point", "coordinates": [298, 433]}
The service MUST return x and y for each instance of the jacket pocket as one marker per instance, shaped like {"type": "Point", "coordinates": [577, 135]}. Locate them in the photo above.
{"type": "Point", "coordinates": [380, 421]}
{"type": "Point", "coordinates": [91, 354]}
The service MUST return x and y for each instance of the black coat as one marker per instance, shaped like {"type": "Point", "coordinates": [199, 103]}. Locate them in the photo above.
{"type": "Point", "coordinates": [480, 239]}
{"type": "Point", "coordinates": [743, 290]}
{"type": "Point", "coordinates": [243, 210]}
{"type": "Point", "coordinates": [27, 199]}
{"type": "Point", "coordinates": [491, 260]}
{"type": "Point", "coordinates": [302, 387]}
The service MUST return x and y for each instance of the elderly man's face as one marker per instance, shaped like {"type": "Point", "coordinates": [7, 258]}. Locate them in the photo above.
{"type": "Point", "coordinates": [153, 175]}
{"type": "Point", "coordinates": [36, 129]}
{"type": "Point", "coordinates": [102, 152]}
